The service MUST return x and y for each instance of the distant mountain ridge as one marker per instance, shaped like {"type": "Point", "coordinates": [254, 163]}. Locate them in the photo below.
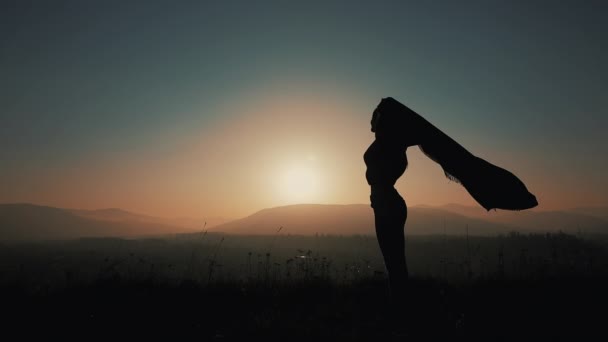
{"type": "Point", "coordinates": [120, 215]}
{"type": "Point", "coordinates": [31, 222]}
{"type": "Point", "coordinates": [599, 212]}
{"type": "Point", "coordinates": [350, 219]}
{"type": "Point", "coordinates": [111, 214]}
{"type": "Point", "coordinates": [572, 220]}
{"type": "Point", "coordinates": [23, 221]}
{"type": "Point", "coordinates": [422, 220]}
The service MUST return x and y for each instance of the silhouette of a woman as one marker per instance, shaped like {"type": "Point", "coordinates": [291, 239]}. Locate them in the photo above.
{"type": "Point", "coordinates": [397, 127]}
{"type": "Point", "coordinates": [386, 161]}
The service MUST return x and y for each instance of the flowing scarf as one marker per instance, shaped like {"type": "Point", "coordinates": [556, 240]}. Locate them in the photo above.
{"type": "Point", "coordinates": [491, 186]}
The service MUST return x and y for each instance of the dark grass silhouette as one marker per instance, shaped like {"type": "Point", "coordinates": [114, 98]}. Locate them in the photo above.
{"type": "Point", "coordinates": [487, 309]}
{"type": "Point", "coordinates": [548, 286]}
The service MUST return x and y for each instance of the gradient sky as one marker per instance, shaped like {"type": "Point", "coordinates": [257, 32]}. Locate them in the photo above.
{"type": "Point", "coordinates": [176, 108]}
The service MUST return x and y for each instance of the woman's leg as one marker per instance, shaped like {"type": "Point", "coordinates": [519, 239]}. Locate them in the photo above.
{"type": "Point", "coordinates": [390, 214]}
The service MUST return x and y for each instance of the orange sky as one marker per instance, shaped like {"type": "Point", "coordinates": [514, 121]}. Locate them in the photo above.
{"type": "Point", "coordinates": [269, 151]}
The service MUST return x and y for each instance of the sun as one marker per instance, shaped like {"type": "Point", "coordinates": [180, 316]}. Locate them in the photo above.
{"type": "Point", "coordinates": [300, 183]}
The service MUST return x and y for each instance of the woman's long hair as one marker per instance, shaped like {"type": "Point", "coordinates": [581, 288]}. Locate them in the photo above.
{"type": "Point", "coordinates": [491, 186]}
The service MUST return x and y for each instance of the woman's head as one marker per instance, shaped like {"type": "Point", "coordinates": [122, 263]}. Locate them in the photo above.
{"type": "Point", "coordinates": [393, 120]}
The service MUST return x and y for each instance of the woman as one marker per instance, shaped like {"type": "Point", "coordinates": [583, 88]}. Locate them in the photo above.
{"type": "Point", "coordinates": [386, 161]}
{"type": "Point", "coordinates": [396, 128]}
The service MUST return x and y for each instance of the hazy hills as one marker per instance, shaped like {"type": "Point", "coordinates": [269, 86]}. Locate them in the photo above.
{"type": "Point", "coordinates": [590, 220]}
{"type": "Point", "coordinates": [600, 212]}
{"type": "Point", "coordinates": [27, 221]}
{"type": "Point", "coordinates": [352, 219]}
{"type": "Point", "coordinates": [451, 219]}
{"type": "Point", "coordinates": [119, 215]}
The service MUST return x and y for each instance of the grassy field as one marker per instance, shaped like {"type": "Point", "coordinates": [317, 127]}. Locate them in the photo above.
{"type": "Point", "coordinates": [218, 287]}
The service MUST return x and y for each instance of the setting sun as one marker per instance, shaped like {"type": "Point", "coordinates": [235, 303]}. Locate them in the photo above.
{"type": "Point", "coordinates": [299, 183]}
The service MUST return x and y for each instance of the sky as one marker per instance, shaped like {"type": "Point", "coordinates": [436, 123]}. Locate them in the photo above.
{"type": "Point", "coordinates": [205, 109]}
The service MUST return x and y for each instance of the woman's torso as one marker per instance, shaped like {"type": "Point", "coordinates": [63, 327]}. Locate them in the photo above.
{"type": "Point", "coordinates": [385, 162]}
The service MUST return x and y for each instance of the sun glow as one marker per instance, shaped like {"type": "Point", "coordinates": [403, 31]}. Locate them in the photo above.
{"type": "Point", "coordinates": [300, 183]}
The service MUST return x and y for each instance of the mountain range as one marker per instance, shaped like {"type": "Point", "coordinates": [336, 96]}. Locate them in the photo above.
{"type": "Point", "coordinates": [34, 222]}
{"type": "Point", "coordinates": [452, 219]}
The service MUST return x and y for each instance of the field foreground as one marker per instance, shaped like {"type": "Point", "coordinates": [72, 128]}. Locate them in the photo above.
{"type": "Point", "coordinates": [487, 310]}
{"type": "Point", "coordinates": [230, 288]}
